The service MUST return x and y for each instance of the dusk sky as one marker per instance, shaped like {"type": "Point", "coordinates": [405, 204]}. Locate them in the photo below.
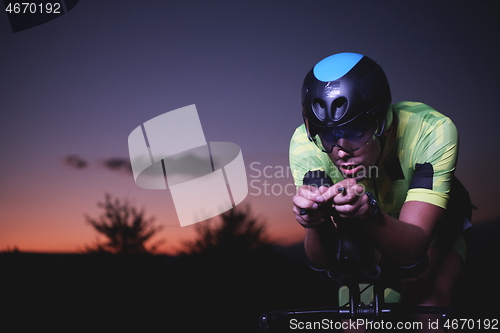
{"type": "Point", "coordinates": [79, 84]}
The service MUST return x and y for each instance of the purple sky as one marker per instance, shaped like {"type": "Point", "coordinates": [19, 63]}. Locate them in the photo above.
{"type": "Point", "coordinates": [78, 85]}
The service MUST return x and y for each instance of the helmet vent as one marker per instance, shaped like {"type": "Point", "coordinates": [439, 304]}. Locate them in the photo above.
{"type": "Point", "coordinates": [319, 109]}
{"type": "Point", "coordinates": [339, 108]}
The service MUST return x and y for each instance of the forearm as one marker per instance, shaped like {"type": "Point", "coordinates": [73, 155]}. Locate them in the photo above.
{"type": "Point", "coordinates": [319, 243]}
{"type": "Point", "coordinates": [314, 249]}
{"type": "Point", "coordinates": [399, 241]}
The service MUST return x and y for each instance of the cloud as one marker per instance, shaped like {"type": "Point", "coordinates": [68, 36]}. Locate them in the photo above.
{"type": "Point", "coordinates": [76, 162]}
{"type": "Point", "coordinates": [118, 164]}
{"type": "Point", "coordinates": [187, 164]}
{"type": "Point", "coordinates": [113, 163]}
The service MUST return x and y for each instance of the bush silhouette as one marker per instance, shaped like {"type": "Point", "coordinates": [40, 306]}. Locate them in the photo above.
{"type": "Point", "coordinates": [126, 229]}
{"type": "Point", "coordinates": [237, 231]}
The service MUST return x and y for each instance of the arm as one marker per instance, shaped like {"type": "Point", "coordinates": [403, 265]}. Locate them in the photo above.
{"type": "Point", "coordinates": [316, 222]}
{"type": "Point", "coordinates": [406, 240]}
{"type": "Point", "coordinates": [313, 248]}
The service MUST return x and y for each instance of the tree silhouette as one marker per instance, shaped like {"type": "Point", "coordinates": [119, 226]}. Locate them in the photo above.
{"type": "Point", "coordinates": [126, 229]}
{"type": "Point", "coordinates": [237, 231]}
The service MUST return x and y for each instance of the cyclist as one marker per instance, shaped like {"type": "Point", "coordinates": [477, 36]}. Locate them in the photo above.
{"type": "Point", "coordinates": [394, 166]}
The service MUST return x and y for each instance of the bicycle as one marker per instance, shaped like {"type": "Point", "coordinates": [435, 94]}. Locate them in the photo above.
{"type": "Point", "coordinates": [350, 262]}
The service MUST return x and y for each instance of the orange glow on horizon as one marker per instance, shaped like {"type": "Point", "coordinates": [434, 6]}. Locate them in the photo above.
{"type": "Point", "coordinates": [55, 229]}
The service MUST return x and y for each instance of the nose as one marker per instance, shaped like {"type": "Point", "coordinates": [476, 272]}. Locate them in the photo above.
{"type": "Point", "coordinates": [342, 154]}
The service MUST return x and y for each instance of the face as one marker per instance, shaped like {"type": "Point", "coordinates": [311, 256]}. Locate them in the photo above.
{"type": "Point", "coordinates": [357, 164]}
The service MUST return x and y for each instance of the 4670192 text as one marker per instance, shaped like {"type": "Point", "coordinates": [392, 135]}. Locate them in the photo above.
{"type": "Point", "coordinates": [471, 324]}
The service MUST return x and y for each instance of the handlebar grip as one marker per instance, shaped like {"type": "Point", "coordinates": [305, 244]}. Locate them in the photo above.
{"type": "Point", "coordinates": [317, 178]}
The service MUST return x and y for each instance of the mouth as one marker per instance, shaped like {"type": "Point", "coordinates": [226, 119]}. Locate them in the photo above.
{"type": "Point", "coordinates": [351, 169]}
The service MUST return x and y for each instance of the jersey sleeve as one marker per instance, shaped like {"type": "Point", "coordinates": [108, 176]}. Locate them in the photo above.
{"type": "Point", "coordinates": [434, 160]}
{"type": "Point", "coordinates": [305, 156]}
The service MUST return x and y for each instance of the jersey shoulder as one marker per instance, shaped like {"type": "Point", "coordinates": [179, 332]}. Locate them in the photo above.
{"type": "Point", "coordinates": [428, 151]}
{"type": "Point", "coordinates": [417, 113]}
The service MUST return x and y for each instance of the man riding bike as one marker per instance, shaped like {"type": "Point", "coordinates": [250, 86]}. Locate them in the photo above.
{"type": "Point", "coordinates": [392, 167]}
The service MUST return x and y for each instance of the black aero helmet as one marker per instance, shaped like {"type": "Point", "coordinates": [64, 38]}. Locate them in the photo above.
{"type": "Point", "coordinates": [342, 88]}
